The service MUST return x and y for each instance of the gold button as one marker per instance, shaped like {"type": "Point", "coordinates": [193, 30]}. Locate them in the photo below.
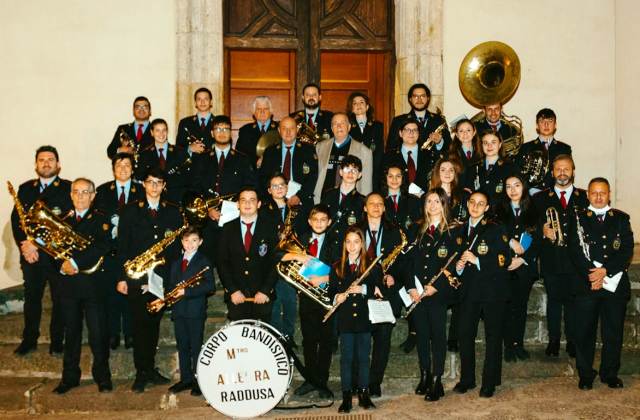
{"type": "Point", "coordinates": [246, 273]}
{"type": "Point", "coordinates": [246, 258]}
{"type": "Point", "coordinates": [155, 236]}
{"type": "Point", "coordinates": [355, 314]}
{"type": "Point", "coordinates": [355, 304]}
{"type": "Point", "coordinates": [604, 236]}
{"type": "Point", "coordinates": [604, 246]}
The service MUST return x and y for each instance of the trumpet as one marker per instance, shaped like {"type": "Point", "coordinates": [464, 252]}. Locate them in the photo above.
{"type": "Point", "coordinates": [428, 145]}
{"type": "Point", "coordinates": [172, 297]}
{"type": "Point", "coordinates": [554, 220]}
{"type": "Point", "coordinates": [126, 141]}
{"type": "Point", "coordinates": [197, 208]}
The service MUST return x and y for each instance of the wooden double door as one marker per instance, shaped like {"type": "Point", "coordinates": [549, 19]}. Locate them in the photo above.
{"type": "Point", "coordinates": [274, 47]}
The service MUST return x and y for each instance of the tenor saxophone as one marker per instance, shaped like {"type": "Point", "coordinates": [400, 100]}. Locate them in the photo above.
{"type": "Point", "coordinates": [150, 259]}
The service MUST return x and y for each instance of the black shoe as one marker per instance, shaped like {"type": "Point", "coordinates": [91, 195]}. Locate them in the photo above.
{"type": "Point", "coordinates": [180, 386]}
{"type": "Point", "coordinates": [421, 389]}
{"type": "Point", "coordinates": [510, 354]}
{"type": "Point", "coordinates": [25, 348]}
{"type": "Point", "coordinates": [195, 391]}
{"type": "Point", "coordinates": [114, 342]}
{"type": "Point", "coordinates": [56, 349]}
{"type": "Point", "coordinates": [614, 382]}
{"type": "Point", "coordinates": [553, 348]}
{"type": "Point", "coordinates": [487, 392]}
{"type": "Point", "coordinates": [364, 400]}
{"type": "Point", "coordinates": [521, 353]}
{"type": "Point", "coordinates": [585, 384]}
{"type": "Point", "coordinates": [409, 343]}
{"type": "Point", "coordinates": [452, 346]}
{"type": "Point", "coordinates": [139, 384]}
{"type": "Point", "coordinates": [304, 389]}
{"type": "Point", "coordinates": [346, 406]}
{"type": "Point", "coordinates": [105, 386]}
{"type": "Point", "coordinates": [461, 388]}
{"type": "Point", "coordinates": [437, 390]}
{"type": "Point", "coordinates": [375, 391]}
{"type": "Point", "coordinates": [325, 393]}
{"type": "Point", "coordinates": [128, 342]}
{"type": "Point", "coordinates": [571, 349]}
{"type": "Point", "coordinates": [63, 388]}
{"type": "Point", "coordinates": [157, 379]}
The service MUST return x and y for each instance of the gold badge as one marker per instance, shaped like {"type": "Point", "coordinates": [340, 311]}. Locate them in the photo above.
{"type": "Point", "coordinates": [113, 187]}
{"type": "Point", "coordinates": [140, 204]}
{"type": "Point", "coordinates": [305, 169]}
{"type": "Point", "coordinates": [105, 227]}
{"type": "Point", "coordinates": [56, 183]}
{"type": "Point", "coordinates": [499, 188]}
{"type": "Point", "coordinates": [56, 211]}
{"type": "Point", "coordinates": [459, 240]}
{"type": "Point", "coordinates": [501, 260]}
{"type": "Point", "coordinates": [443, 252]}
{"type": "Point", "coordinates": [505, 239]}
{"type": "Point", "coordinates": [483, 248]}
{"type": "Point", "coordinates": [616, 244]}
{"type": "Point", "coordinates": [167, 233]}
{"type": "Point", "coordinates": [351, 220]}
{"type": "Point", "coordinates": [372, 147]}
{"type": "Point", "coordinates": [589, 213]}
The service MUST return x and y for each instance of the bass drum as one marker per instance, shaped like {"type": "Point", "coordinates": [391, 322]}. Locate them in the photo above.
{"type": "Point", "coordinates": [244, 369]}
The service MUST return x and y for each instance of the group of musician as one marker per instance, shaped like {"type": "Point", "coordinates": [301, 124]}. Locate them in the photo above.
{"type": "Point", "coordinates": [452, 222]}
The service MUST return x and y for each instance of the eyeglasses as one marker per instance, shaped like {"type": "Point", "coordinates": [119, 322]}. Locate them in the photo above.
{"type": "Point", "coordinates": [80, 193]}
{"type": "Point", "coordinates": [222, 129]}
{"type": "Point", "coordinates": [152, 183]}
{"type": "Point", "coordinates": [411, 130]}
{"type": "Point", "coordinates": [141, 107]}
{"type": "Point", "coordinates": [419, 96]}
{"type": "Point", "coordinates": [350, 170]}
{"type": "Point", "coordinates": [278, 186]}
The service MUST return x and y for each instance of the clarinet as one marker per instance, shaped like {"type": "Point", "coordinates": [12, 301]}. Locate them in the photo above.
{"type": "Point", "coordinates": [583, 243]}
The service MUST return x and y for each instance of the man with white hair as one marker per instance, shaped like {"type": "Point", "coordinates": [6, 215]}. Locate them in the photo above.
{"type": "Point", "coordinates": [250, 133]}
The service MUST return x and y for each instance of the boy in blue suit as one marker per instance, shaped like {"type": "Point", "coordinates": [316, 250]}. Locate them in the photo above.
{"type": "Point", "coordinates": [190, 312]}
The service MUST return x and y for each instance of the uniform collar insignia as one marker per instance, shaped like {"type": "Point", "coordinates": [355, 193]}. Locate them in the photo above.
{"type": "Point", "coordinates": [112, 186]}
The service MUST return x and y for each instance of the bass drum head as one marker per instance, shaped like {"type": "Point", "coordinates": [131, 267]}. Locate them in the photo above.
{"type": "Point", "coordinates": [243, 369]}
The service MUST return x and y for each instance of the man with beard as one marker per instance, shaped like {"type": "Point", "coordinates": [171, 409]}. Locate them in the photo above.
{"type": "Point", "coordinates": [493, 121]}
{"type": "Point", "coordinates": [250, 133]}
{"type": "Point", "coordinates": [137, 131]}
{"type": "Point", "coordinates": [317, 119]}
{"type": "Point", "coordinates": [545, 145]}
{"type": "Point", "coordinates": [558, 273]}
{"type": "Point", "coordinates": [419, 97]}
{"type": "Point", "coordinates": [194, 131]}
{"type": "Point", "coordinates": [38, 267]}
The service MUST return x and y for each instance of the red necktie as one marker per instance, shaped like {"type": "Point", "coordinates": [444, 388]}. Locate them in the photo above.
{"type": "Point", "coordinates": [220, 169]}
{"type": "Point", "coordinates": [183, 267]}
{"type": "Point", "coordinates": [343, 197]}
{"type": "Point", "coordinates": [313, 247]}
{"type": "Point", "coordinates": [139, 133]}
{"type": "Point", "coordinates": [78, 218]}
{"type": "Point", "coordinates": [494, 127]}
{"type": "Point", "coordinates": [471, 229]}
{"type": "Point", "coordinates": [247, 237]}
{"type": "Point", "coordinates": [286, 167]}
{"type": "Point", "coordinates": [563, 199]}
{"type": "Point", "coordinates": [121, 198]}
{"type": "Point", "coordinates": [153, 212]}
{"type": "Point", "coordinates": [161, 160]}
{"type": "Point", "coordinates": [395, 202]}
{"type": "Point", "coordinates": [352, 267]}
{"type": "Point", "coordinates": [469, 154]}
{"type": "Point", "coordinates": [310, 122]}
{"type": "Point", "coordinates": [432, 230]}
{"type": "Point", "coordinates": [372, 250]}
{"type": "Point", "coordinates": [203, 123]}
{"type": "Point", "coordinates": [411, 168]}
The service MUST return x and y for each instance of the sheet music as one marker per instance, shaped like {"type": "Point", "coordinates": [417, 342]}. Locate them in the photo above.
{"type": "Point", "coordinates": [228, 212]}
{"type": "Point", "coordinates": [380, 311]}
{"type": "Point", "coordinates": [404, 294]}
{"type": "Point", "coordinates": [415, 190]}
{"type": "Point", "coordinates": [610, 283]}
{"type": "Point", "coordinates": [156, 286]}
{"type": "Point", "coordinates": [292, 188]}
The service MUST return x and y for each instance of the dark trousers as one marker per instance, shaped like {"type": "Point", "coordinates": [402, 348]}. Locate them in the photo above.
{"type": "Point", "coordinates": [381, 335]}
{"type": "Point", "coordinates": [431, 330]}
{"type": "Point", "coordinates": [470, 314]}
{"type": "Point", "coordinates": [36, 277]}
{"type": "Point", "coordinates": [516, 310]}
{"type": "Point", "coordinates": [453, 322]}
{"type": "Point", "coordinates": [189, 334]}
{"type": "Point", "coordinates": [317, 339]}
{"type": "Point", "coordinates": [610, 311]}
{"type": "Point", "coordinates": [249, 310]}
{"type": "Point", "coordinates": [147, 327]}
{"type": "Point", "coordinates": [118, 311]}
{"type": "Point", "coordinates": [559, 299]}
{"type": "Point", "coordinates": [75, 312]}
{"type": "Point", "coordinates": [283, 313]}
{"type": "Point", "coordinates": [354, 347]}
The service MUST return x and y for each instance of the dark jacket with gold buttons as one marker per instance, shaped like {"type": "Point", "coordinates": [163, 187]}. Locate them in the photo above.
{"type": "Point", "coordinates": [409, 210]}
{"type": "Point", "coordinates": [490, 283]}
{"type": "Point", "coordinates": [353, 314]}
{"type": "Point", "coordinates": [477, 177]}
{"type": "Point", "coordinates": [424, 166]}
{"type": "Point", "coordinates": [516, 226]}
{"type": "Point", "coordinates": [322, 122]}
{"type": "Point", "coordinates": [138, 230]}
{"type": "Point", "coordinates": [236, 174]}
{"type": "Point", "coordinates": [248, 137]}
{"type": "Point", "coordinates": [250, 272]}
{"type": "Point", "coordinates": [610, 243]}
{"type": "Point", "coordinates": [371, 136]}
{"type": "Point", "coordinates": [555, 259]}
{"type": "Point", "coordinates": [535, 146]}
{"type": "Point", "coordinates": [129, 130]}
{"type": "Point", "coordinates": [432, 122]}
{"type": "Point", "coordinates": [343, 214]}
{"type": "Point", "coordinates": [178, 169]}
{"type": "Point", "coordinates": [191, 126]}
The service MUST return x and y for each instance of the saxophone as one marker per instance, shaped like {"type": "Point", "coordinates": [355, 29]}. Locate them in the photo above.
{"type": "Point", "coordinates": [172, 297]}
{"type": "Point", "coordinates": [150, 259]}
{"type": "Point", "coordinates": [391, 258]}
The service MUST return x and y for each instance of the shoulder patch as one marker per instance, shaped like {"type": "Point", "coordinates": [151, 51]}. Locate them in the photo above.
{"type": "Point", "coordinates": [56, 183]}
{"type": "Point", "coordinates": [550, 193]}
{"type": "Point", "coordinates": [105, 227]}
{"type": "Point", "coordinates": [505, 239]}
{"type": "Point", "coordinates": [141, 204]}
{"type": "Point", "coordinates": [589, 213]}
{"type": "Point", "coordinates": [112, 186]}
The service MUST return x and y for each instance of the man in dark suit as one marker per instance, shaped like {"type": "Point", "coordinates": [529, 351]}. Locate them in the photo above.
{"type": "Point", "coordinates": [317, 119]}
{"type": "Point", "coordinates": [495, 121]}
{"type": "Point", "coordinates": [297, 161]}
{"type": "Point", "coordinates": [544, 146]}
{"type": "Point", "coordinates": [194, 131]}
{"type": "Point", "coordinates": [38, 267]}
{"type": "Point", "coordinates": [601, 247]}
{"type": "Point", "coordinates": [136, 135]}
{"type": "Point", "coordinates": [250, 133]}
{"type": "Point", "coordinates": [111, 197]}
{"type": "Point", "coordinates": [419, 97]}
{"type": "Point", "coordinates": [83, 294]}
{"type": "Point", "coordinates": [554, 255]}
{"type": "Point", "coordinates": [246, 261]}
{"type": "Point", "coordinates": [143, 224]}
{"type": "Point", "coordinates": [172, 160]}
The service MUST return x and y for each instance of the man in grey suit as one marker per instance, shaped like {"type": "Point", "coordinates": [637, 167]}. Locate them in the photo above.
{"type": "Point", "coordinates": [331, 151]}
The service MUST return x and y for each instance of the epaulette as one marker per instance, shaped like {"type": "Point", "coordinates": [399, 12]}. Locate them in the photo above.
{"type": "Point", "coordinates": [167, 203]}
{"type": "Point", "coordinates": [149, 147]}
{"type": "Point", "coordinates": [170, 147]}
{"type": "Point", "coordinates": [617, 212]}
{"type": "Point", "coordinates": [97, 212]}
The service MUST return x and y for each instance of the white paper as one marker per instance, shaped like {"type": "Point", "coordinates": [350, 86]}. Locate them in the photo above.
{"type": "Point", "coordinates": [228, 212]}
{"type": "Point", "coordinates": [292, 188]}
{"type": "Point", "coordinates": [380, 311]}
{"type": "Point", "coordinates": [610, 283]}
{"type": "Point", "coordinates": [156, 286]}
{"type": "Point", "coordinates": [415, 190]}
{"type": "Point", "coordinates": [406, 297]}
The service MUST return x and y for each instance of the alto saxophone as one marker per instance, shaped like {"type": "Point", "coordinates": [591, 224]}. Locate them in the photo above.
{"type": "Point", "coordinates": [391, 258]}
{"type": "Point", "coordinates": [172, 297]}
{"type": "Point", "coordinates": [150, 259]}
